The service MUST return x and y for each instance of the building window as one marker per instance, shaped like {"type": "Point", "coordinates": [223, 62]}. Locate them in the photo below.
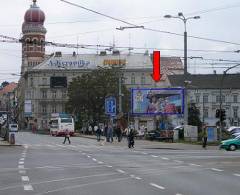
{"type": "Point", "coordinates": [44, 109]}
{"type": "Point", "coordinates": [235, 98]}
{"type": "Point", "coordinates": [32, 107]}
{"type": "Point", "coordinates": [31, 82]}
{"type": "Point", "coordinates": [54, 94]}
{"type": "Point", "coordinates": [54, 110]}
{"type": "Point", "coordinates": [218, 98]}
{"type": "Point", "coordinates": [205, 112]}
{"type": "Point", "coordinates": [197, 98]}
{"type": "Point", "coordinates": [235, 112]}
{"type": "Point", "coordinates": [29, 95]}
{"type": "Point", "coordinates": [133, 79]}
{"type": "Point", "coordinates": [64, 94]}
{"type": "Point", "coordinates": [205, 98]}
{"type": "Point", "coordinates": [143, 79]}
{"type": "Point", "coordinates": [223, 98]}
{"type": "Point", "coordinates": [44, 81]}
{"type": "Point", "coordinates": [44, 94]}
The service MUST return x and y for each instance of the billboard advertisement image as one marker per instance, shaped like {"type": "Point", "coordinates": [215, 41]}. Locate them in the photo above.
{"type": "Point", "coordinates": [157, 101]}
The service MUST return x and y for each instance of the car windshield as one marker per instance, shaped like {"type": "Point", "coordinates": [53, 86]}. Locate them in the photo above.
{"type": "Point", "coordinates": [66, 120]}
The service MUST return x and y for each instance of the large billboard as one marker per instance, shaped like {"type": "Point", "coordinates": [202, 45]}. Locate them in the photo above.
{"type": "Point", "coordinates": [58, 82]}
{"type": "Point", "coordinates": [157, 101]}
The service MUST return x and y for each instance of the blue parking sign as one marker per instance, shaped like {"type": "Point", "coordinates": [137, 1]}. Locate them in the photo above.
{"type": "Point", "coordinates": [110, 106]}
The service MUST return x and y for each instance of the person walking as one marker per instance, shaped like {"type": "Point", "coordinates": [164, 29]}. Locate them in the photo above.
{"type": "Point", "coordinates": [204, 136]}
{"type": "Point", "coordinates": [98, 133]}
{"type": "Point", "coordinates": [110, 133]}
{"type": "Point", "coordinates": [131, 138]}
{"type": "Point", "coordinates": [67, 136]}
{"type": "Point", "coordinates": [119, 134]}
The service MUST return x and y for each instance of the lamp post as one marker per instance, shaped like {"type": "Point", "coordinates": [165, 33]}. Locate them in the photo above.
{"type": "Point", "coordinates": [220, 98]}
{"type": "Point", "coordinates": [184, 19]}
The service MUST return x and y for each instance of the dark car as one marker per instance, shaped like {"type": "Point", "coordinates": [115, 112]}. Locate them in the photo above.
{"type": "Point", "coordinates": [160, 135]}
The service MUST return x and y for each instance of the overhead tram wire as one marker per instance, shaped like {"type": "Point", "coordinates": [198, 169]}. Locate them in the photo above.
{"type": "Point", "coordinates": [214, 9]}
{"type": "Point", "coordinates": [149, 29]}
{"type": "Point", "coordinates": [97, 46]}
{"type": "Point", "coordinates": [96, 12]}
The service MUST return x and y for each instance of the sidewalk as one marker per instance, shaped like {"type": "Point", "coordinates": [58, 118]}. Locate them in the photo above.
{"type": "Point", "coordinates": [146, 144]}
{"type": "Point", "coordinates": [5, 143]}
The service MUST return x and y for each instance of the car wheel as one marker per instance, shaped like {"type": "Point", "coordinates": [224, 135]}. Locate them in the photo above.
{"type": "Point", "coordinates": [232, 147]}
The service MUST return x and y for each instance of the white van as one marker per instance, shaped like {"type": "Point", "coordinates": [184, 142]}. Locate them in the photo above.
{"type": "Point", "coordinates": [59, 123]}
{"type": "Point", "coordinates": [13, 127]}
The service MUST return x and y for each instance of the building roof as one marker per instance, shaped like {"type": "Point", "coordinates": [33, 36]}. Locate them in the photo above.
{"type": "Point", "coordinates": [206, 81]}
{"type": "Point", "coordinates": [92, 61]}
{"type": "Point", "coordinates": [9, 88]}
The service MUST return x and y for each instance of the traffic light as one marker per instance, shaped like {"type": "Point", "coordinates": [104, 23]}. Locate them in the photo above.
{"type": "Point", "coordinates": [217, 113]}
{"type": "Point", "coordinates": [223, 115]}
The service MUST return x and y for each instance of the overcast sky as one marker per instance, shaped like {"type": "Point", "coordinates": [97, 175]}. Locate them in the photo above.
{"type": "Point", "coordinates": [68, 24]}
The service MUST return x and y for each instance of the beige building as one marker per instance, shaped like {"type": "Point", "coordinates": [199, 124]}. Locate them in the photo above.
{"type": "Point", "coordinates": [45, 78]}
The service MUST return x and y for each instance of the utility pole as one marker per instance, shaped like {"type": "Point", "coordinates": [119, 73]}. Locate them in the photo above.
{"type": "Point", "coordinates": [120, 91]}
{"type": "Point", "coordinates": [184, 19]}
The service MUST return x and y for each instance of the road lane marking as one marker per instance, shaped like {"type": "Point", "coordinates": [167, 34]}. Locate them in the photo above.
{"type": "Point", "coordinates": [87, 184]}
{"type": "Point", "coordinates": [21, 166]}
{"type": "Point", "coordinates": [164, 158]}
{"type": "Point", "coordinates": [94, 159]}
{"type": "Point", "coordinates": [28, 188]}
{"type": "Point", "coordinates": [21, 159]}
{"type": "Point", "coordinates": [25, 178]}
{"type": "Point", "coordinates": [196, 165]}
{"type": "Point", "coordinates": [157, 186]}
{"type": "Point", "coordinates": [22, 172]}
{"type": "Point", "coordinates": [214, 169]}
{"type": "Point", "coordinates": [154, 156]}
{"type": "Point", "coordinates": [144, 153]}
{"type": "Point", "coordinates": [120, 171]}
{"type": "Point", "coordinates": [100, 162]}
{"type": "Point", "coordinates": [179, 194]}
{"type": "Point", "coordinates": [89, 156]}
{"type": "Point", "coordinates": [21, 162]}
{"type": "Point", "coordinates": [178, 161]}
{"type": "Point", "coordinates": [138, 178]}
{"type": "Point", "coordinates": [235, 174]}
{"type": "Point", "coordinates": [109, 166]}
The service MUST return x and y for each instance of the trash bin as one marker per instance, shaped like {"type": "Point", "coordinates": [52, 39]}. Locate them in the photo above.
{"type": "Point", "coordinates": [175, 135]}
{"type": "Point", "coordinates": [12, 138]}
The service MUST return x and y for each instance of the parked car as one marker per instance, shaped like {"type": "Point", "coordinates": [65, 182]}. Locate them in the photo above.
{"type": "Point", "coordinates": [160, 135]}
{"type": "Point", "coordinates": [13, 127]}
{"type": "Point", "coordinates": [180, 130]}
{"type": "Point", "coordinates": [233, 129]}
{"type": "Point", "coordinates": [231, 144]}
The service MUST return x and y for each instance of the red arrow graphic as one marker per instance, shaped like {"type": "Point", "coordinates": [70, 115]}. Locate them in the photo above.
{"type": "Point", "coordinates": [156, 66]}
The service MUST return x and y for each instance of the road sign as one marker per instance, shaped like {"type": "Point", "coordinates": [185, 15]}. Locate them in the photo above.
{"type": "Point", "coordinates": [110, 106]}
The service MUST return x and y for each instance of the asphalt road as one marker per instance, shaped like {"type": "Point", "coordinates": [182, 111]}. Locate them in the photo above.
{"type": "Point", "coordinates": [43, 165]}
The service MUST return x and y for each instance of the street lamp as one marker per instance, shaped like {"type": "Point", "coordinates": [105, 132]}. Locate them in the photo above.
{"type": "Point", "coordinates": [184, 19]}
{"type": "Point", "coordinates": [220, 93]}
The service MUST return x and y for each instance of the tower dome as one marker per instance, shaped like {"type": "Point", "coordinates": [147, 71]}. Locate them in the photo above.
{"type": "Point", "coordinates": [34, 14]}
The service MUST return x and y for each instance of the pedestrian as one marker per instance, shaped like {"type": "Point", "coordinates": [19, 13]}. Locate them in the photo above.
{"type": "Point", "coordinates": [204, 136]}
{"type": "Point", "coordinates": [110, 133]}
{"type": "Point", "coordinates": [67, 136]}
{"type": "Point", "coordinates": [131, 135]}
{"type": "Point", "coordinates": [90, 130]}
{"type": "Point", "coordinates": [118, 134]}
{"type": "Point", "coordinates": [98, 133]}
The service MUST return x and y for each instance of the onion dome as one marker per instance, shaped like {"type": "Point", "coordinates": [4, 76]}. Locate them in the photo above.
{"type": "Point", "coordinates": [34, 14]}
